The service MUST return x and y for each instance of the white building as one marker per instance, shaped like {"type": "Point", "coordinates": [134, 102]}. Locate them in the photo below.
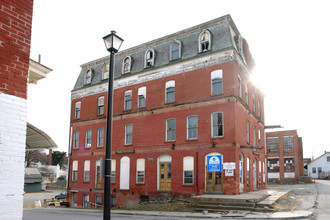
{"type": "Point", "coordinates": [320, 167]}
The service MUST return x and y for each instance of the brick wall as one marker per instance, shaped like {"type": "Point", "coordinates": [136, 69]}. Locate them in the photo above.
{"type": "Point", "coordinates": [15, 36]}
{"type": "Point", "coordinates": [15, 29]}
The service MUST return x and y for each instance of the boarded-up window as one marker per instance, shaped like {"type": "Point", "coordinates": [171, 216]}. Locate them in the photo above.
{"type": "Point", "coordinates": [124, 173]}
{"type": "Point", "coordinates": [188, 170]}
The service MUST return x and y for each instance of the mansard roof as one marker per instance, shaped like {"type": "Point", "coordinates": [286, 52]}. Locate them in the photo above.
{"type": "Point", "coordinates": [223, 32]}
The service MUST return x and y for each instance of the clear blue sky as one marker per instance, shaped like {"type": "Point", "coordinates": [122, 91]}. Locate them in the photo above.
{"type": "Point", "coordinates": [289, 41]}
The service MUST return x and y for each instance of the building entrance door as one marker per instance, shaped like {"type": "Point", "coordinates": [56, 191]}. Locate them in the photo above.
{"type": "Point", "coordinates": [214, 182]}
{"type": "Point", "coordinates": [74, 199]}
{"type": "Point", "coordinates": [241, 181]}
{"type": "Point", "coordinates": [165, 176]}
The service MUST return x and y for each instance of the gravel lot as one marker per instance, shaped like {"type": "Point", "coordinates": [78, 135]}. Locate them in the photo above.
{"type": "Point", "coordinates": [29, 198]}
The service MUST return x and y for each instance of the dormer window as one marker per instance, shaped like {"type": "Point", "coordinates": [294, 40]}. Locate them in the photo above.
{"type": "Point", "coordinates": [105, 71]}
{"type": "Point", "coordinates": [149, 58]}
{"type": "Point", "coordinates": [127, 64]}
{"type": "Point", "coordinates": [176, 50]}
{"type": "Point", "coordinates": [88, 77]}
{"type": "Point", "coordinates": [204, 41]}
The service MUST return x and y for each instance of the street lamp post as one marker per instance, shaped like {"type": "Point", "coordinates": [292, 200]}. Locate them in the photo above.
{"type": "Point", "coordinates": [112, 43]}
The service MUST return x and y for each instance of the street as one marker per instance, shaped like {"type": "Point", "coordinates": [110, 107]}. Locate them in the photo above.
{"type": "Point", "coordinates": [322, 210]}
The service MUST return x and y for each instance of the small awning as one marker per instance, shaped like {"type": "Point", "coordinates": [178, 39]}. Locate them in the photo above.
{"type": "Point", "coordinates": [36, 139]}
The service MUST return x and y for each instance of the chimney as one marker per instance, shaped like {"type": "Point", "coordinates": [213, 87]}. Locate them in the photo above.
{"type": "Point", "coordinates": [50, 157]}
{"type": "Point", "coordinates": [39, 58]}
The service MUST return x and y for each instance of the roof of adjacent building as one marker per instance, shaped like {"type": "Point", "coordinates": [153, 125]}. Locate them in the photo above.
{"type": "Point", "coordinates": [32, 175]}
{"type": "Point", "coordinates": [222, 30]}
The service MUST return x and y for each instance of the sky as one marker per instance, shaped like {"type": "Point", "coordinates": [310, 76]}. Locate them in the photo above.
{"type": "Point", "coordinates": [289, 41]}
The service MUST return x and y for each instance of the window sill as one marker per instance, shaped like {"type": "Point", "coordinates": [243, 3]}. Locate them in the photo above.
{"type": "Point", "coordinates": [169, 103]}
{"type": "Point", "coordinates": [140, 184]}
{"type": "Point", "coordinates": [214, 138]}
{"type": "Point", "coordinates": [128, 145]}
{"type": "Point", "coordinates": [215, 95]}
{"type": "Point", "coordinates": [188, 185]}
{"type": "Point", "coordinates": [170, 142]}
{"type": "Point", "coordinates": [192, 140]}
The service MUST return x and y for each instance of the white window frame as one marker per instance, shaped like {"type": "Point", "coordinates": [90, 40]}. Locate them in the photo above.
{"type": "Point", "coordinates": [100, 105]}
{"type": "Point", "coordinates": [88, 76]}
{"type": "Point", "coordinates": [128, 94]}
{"type": "Point", "coordinates": [247, 131]}
{"type": "Point", "coordinates": [86, 200]}
{"type": "Point", "coordinates": [142, 91]}
{"type": "Point", "coordinates": [171, 50]}
{"type": "Point", "coordinates": [140, 170]}
{"type": "Point", "coordinates": [189, 127]}
{"type": "Point", "coordinates": [124, 173]}
{"type": "Point", "coordinates": [105, 74]}
{"type": "Point", "coordinates": [167, 121]}
{"type": "Point", "coordinates": [88, 141]}
{"type": "Point", "coordinates": [246, 94]}
{"type": "Point", "coordinates": [248, 171]}
{"type": "Point", "coordinates": [254, 103]}
{"type": "Point", "coordinates": [254, 135]}
{"type": "Point", "coordinates": [239, 86]}
{"type": "Point", "coordinates": [113, 171]}
{"type": "Point", "coordinates": [148, 60]}
{"type": "Point", "coordinates": [188, 166]}
{"type": "Point", "coordinates": [77, 110]}
{"type": "Point", "coordinates": [127, 60]}
{"type": "Point", "coordinates": [201, 41]}
{"type": "Point", "coordinates": [168, 85]}
{"type": "Point", "coordinates": [127, 133]}
{"type": "Point", "coordinates": [100, 139]}
{"type": "Point", "coordinates": [87, 165]}
{"type": "Point", "coordinates": [217, 74]}
{"type": "Point", "coordinates": [76, 140]}
{"type": "Point", "coordinates": [222, 125]}
{"type": "Point", "coordinates": [75, 171]}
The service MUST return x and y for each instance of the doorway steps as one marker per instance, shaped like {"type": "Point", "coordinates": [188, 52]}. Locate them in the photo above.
{"type": "Point", "coordinates": [221, 204]}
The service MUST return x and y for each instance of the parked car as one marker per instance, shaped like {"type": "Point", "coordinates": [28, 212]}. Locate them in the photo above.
{"type": "Point", "coordinates": [62, 195]}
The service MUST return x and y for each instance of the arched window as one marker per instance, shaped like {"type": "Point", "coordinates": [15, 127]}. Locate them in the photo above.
{"type": "Point", "coordinates": [204, 41]}
{"type": "Point", "coordinates": [105, 74]}
{"type": "Point", "coordinates": [127, 61]}
{"type": "Point", "coordinates": [88, 76]}
{"type": "Point", "coordinates": [149, 58]}
{"type": "Point", "coordinates": [175, 50]}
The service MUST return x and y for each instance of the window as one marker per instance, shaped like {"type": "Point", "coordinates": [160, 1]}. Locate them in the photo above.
{"type": "Point", "coordinates": [313, 169]}
{"type": "Point", "coordinates": [140, 167]}
{"type": "Point", "coordinates": [100, 137]}
{"type": "Point", "coordinates": [192, 127]}
{"type": "Point", "coordinates": [246, 95]}
{"type": "Point", "coordinates": [273, 165]}
{"type": "Point", "coordinates": [149, 58]}
{"type": "Point", "coordinates": [128, 100]}
{"type": "Point", "coordinates": [247, 131]}
{"type": "Point", "coordinates": [100, 105]}
{"type": "Point", "coordinates": [128, 134]}
{"type": "Point", "coordinates": [170, 91]}
{"type": "Point", "coordinates": [127, 64]}
{"type": "Point", "coordinates": [217, 124]}
{"type": "Point", "coordinates": [86, 170]}
{"type": "Point", "coordinates": [264, 172]}
{"type": "Point", "coordinates": [86, 200]}
{"type": "Point", "coordinates": [170, 129]}
{"type": "Point", "coordinates": [98, 201]}
{"type": "Point", "coordinates": [98, 178]}
{"type": "Point", "coordinates": [254, 103]}
{"type": "Point", "coordinates": [247, 170]}
{"type": "Point", "coordinates": [113, 171]}
{"type": "Point", "coordinates": [289, 164]}
{"type": "Point", "coordinates": [259, 113]}
{"type": "Point", "coordinates": [77, 110]}
{"type": "Point", "coordinates": [88, 77]}
{"type": "Point", "coordinates": [204, 41]}
{"type": "Point", "coordinates": [239, 87]}
{"type": "Point", "coordinates": [254, 136]}
{"type": "Point", "coordinates": [142, 96]}
{"type": "Point", "coordinates": [176, 50]}
{"type": "Point", "coordinates": [328, 159]}
{"type": "Point", "coordinates": [188, 170]}
{"type": "Point", "coordinates": [288, 144]}
{"type": "Point", "coordinates": [75, 170]}
{"type": "Point", "coordinates": [272, 144]}
{"type": "Point", "coordinates": [216, 82]}
{"type": "Point", "coordinates": [124, 173]}
{"type": "Point", "coordinates": [88, 139]}
{"type": "Point", "coordinates": [259, 171]}
{"type": "Point", "coordinates": [319, 170]}
{"type": "Point", "coordinates": [76, 140]}
{"type": "Point", "coordinates": [105, 71]}
{"type": "Point", "coordinates": [259, 137]}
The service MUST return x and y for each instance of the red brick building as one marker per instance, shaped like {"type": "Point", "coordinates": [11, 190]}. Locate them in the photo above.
{"type": "Point", "coordinates": [285, 156]}
{"type": "Point", "coordinates": [177, 100]}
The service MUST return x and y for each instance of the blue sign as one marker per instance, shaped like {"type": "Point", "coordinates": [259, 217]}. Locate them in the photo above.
{"type": "Point", "coordinates": [214, 163]}
{"type": "Point", "coordinates": [241, 169]}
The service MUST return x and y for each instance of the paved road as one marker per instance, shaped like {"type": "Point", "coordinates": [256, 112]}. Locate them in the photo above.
{"type": "Point", "coordinates": [79, 214]}
{"type": "Point", "coordinates": [322, 210]}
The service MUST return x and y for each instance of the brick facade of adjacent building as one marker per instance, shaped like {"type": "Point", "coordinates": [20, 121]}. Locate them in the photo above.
{"type": "Point", "coordinates": [145, 161]}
